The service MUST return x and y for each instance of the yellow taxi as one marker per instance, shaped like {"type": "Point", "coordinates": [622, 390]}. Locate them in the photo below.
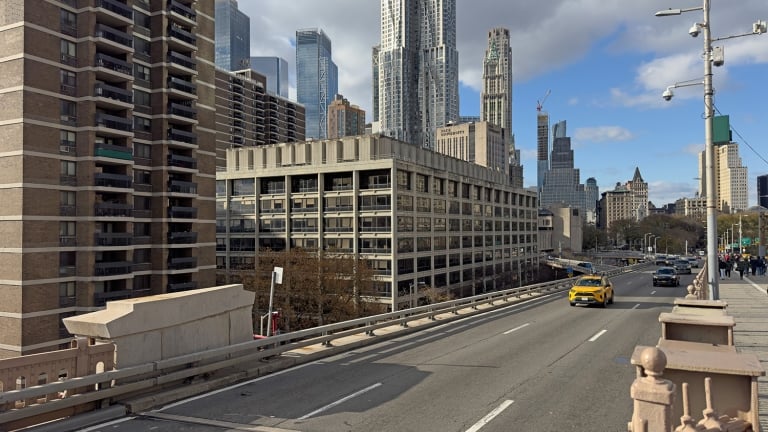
{"type": "Point", "coordinates": [591, 289]}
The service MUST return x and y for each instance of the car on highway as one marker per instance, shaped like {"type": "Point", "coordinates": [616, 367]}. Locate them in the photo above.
{"type": "Point", "coordinates": [591, 289]}
{"type": "Point", "coordinates": [694, 261]}
{"type": "Point", "coordinates": [682, 266]}
{"type": "Point", "coordinates": [666, 276]}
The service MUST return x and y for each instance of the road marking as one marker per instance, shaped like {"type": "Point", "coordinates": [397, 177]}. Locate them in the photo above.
{"type": "Point", "coordinates": [517, 328]}
{"type": "Point", "coordinates": [636, 306]}
{"type": "Point", "coordinates": [600, 333]}
{"type": "Point", "coordinates": [653, 292]}
{"type": "Point", "coordinates": [490, 416]}
{"type": "Point", "coordinates": [339, 402]}
{"type": "Point", "coordinates": [757, 287]}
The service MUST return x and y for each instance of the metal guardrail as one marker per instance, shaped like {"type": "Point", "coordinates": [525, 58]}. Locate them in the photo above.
{"type": "Point", "coordinates": [139, 380]}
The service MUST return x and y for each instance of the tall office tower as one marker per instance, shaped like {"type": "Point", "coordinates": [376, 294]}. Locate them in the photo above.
{"type": "Point", "coordinates": [375, 83]}
{"type": "Point", "coordinates": [275, 69]}
{"type": "Point", "coordinates": [731, 178]}
{"type": "Point", "coordinates": [233, 36]}
{"type": "Point", "coordinates": [542, 148]}
{"type": "Point", "coordinates": [762, 190]}
{"type": "Point", "coordinates": [496, 96]}
{"type": "Point", "coordinates": [561, 181]}
{"type": "Point", "coordinates": [418, 56]}
{"type": "Point", "coordinates": [591, 196]}
{"type": "Point", "coordinates": [247, 115]}
{"type": "Point", "coordinates": [317, 79]}
{"type": "Point", "coordinates": [345, 119]}
{"type": "Point", "coordinates": [108, 148]}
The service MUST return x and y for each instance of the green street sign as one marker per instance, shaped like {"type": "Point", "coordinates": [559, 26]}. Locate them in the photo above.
{"type": "Point", "coordinates": [746, 241]}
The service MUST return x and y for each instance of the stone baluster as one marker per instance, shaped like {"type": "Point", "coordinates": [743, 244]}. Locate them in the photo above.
{"type": "Point", "coordinates": [653, 395]}
{"type": "Point", "coordinates": [688, 424]}
{"type": "Point", "coordinates": [709, 423]}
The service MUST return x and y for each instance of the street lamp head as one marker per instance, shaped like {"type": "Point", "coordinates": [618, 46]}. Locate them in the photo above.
{"type": "Point", "coordinates": [667, 95]}
{"type": "Point", "coordinates": [669, 12]}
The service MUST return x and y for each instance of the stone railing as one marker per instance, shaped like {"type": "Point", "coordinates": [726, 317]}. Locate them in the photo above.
{"type": "Point", "coordinates": [85, 357]}
{"type": "Point", "coordinates": [695, 368]}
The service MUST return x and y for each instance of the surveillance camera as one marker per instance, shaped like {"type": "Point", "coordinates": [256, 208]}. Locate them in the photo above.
{"type": "Point", "coordinates": [667, 95]}
{"type": "Point", "coordinates": [694, 30]}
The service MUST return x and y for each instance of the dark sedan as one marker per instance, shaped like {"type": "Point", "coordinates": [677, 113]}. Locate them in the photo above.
{"type": "Point", "coordinates": [666, 276]}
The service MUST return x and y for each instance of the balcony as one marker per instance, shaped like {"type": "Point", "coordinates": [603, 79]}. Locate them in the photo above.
{"type": "Point", "coordinates": [183, 136]}
{"type": "Point", "coordinates": [179, 33]}
{"type": "Point", "coordinates": [182, 263]}
{"type": "Point", "coordinates": [182, 11]}
{"type": "Point", "coordinates": [181, 110]}
{"type": "Point", "coordinates": [175, 160]}
{"type": "Point", "coordinates": [101, 299]}
{"type": "Point", "coordinates": [124, 12]}
{"type": "Point", "coordinates": [114, 64]}
{"type": "Point", "coordinates": [183, 237]}
{"type": "Point", "coordinates": [113, 210]}
{"type": "Point", "coordinates": [182, 286]}
{"type": "Point", "coordinates": [182, 85]}
{"type": "Point", "coordinates": [113, 151]}
{"type": "Point", "coordinates": [112, 180]}
{"type": "Point", "coordinates": [114, 123]}
{"type": "Point", "coordinates": [107, 91]}
{"type": "Point", "coordinates": [182, 212]}
{"type": "Point", "coordinates": [112, 268]}
{"type": "Point", "coordinates": [178, 59]}
{"type": "Point", "coordinates": [180, 186]}
{"type": "Point", "coordinates": [116, 37]}
{"type": "Point", "coordinates": [113, 239]}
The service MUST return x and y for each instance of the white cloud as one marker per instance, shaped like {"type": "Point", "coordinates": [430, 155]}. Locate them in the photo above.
{"type": "Point", "coordinates": [602, 134]}
{"type": "Point", "coordinates": [663, 192]}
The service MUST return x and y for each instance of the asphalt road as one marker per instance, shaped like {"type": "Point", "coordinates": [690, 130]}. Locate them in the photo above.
{"type": "Point", "coordinates": [537, 366]}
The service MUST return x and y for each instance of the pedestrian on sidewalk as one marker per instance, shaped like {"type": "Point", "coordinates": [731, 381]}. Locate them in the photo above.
{"type": "Point", "coordinates": [741, 266]}
{"type": "Point", "coordinates": [728, 267]}
{"type": "Point", "coordinates": [721, 265]}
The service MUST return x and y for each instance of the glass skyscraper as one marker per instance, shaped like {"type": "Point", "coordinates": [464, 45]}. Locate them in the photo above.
{"type": "Point", "coordinates": [276, 71]}
{"type": "Point", "coordinates": [233, 36]}
{"type": "Point", "coordinates": [317, 79]}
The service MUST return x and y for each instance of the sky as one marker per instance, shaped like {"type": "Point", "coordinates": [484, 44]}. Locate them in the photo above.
{"type": "Point", "coordinates": [605, 64]}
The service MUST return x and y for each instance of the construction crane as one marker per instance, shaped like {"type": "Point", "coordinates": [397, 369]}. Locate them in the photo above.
{"type": "Point", "coordinates": [540, 102]}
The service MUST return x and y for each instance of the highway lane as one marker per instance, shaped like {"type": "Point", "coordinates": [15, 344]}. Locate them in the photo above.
{"type": "Point", "coordinates": [541, 365]}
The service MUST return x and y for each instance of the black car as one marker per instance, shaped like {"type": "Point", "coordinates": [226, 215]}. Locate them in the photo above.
{"type": "Point", "coordinates": [666, 276]}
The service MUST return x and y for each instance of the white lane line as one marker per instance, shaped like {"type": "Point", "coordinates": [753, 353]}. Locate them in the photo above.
{"type": "Point", "coordinates": [340, 401]}
{"type": "Point", "coordinates": [517, 328]}
{"type": "Point", "coordinates": [757, 287]}
{"type": "Point", "coordinates": [600, 333]}
{"type": "Point", "coordinates": [490, 416]}
{"type": "Point", "coordinates": [636, 306]}
{"type": "Point", "coordinates": [653, 292]}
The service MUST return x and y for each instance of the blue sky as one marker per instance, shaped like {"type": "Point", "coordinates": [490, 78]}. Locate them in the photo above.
{"type": "Point", "coordinates": [606, 63]}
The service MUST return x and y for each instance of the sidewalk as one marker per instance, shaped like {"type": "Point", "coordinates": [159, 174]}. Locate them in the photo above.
{"type": "Point", "coordinates": [748, 304]}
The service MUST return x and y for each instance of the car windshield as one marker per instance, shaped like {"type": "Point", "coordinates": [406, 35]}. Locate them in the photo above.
{"type": "Point", "coordinates": [589, 282]}
{"type": "Point", "coordinates": [666, 271]}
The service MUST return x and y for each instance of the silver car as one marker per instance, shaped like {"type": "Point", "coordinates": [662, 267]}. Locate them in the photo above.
{"type": "Point", "coordinates": [682, 266]}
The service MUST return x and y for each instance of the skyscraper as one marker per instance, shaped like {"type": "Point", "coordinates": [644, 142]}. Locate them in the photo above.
{"type": "Point", "coordinates": [109, 164]}
{"type": "Point", "coordinates": [275, 69]}
{"type": "Point", "coordinates": [542, 148]}
{"type": "Point", "coordinates": [496, 95]}
{"type": "Point", "coordinates": [730, 178]}
{"type": "Point", "coordinates": [233, 36]}
{"type": "Point", "coordinates": [317, 79]}
{"type": "Point", "coordinates": [417, 56]}
{"type": "Point", "coordinates": [591, 196]}
{"type": "Point", "coordinates": [561, 180]}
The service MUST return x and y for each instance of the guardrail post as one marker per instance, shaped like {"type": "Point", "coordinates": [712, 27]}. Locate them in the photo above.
{"type": "Point", "coordinates": [653, 395]}
{"type": "Point", "coordinates": [328, 342]}
{"type": "Point", "coordinates": [369, 332]}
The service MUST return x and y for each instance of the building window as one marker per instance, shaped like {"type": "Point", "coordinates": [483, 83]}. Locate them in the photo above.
{"type": "Point", "coordinates": [68, 52]}
{"type": "Point", "coordinates": [403, 180]}
{"type": "Point", "coordinates": [142, 124]}
{"type": "Point", "coordinates": [66, 141]}
{"type": "Point", "coordinates": [68, 112]}
{"type": "Point", "coordinates": [421, 183]}
{"type": "Point", "coordinates": [68, 21]}
{"type": "Point", "coordinates": [141, 98]}
{"type": "Point", "coordinates": [68, 168]}
{"type": "Point", "coordinates": [141, 72]}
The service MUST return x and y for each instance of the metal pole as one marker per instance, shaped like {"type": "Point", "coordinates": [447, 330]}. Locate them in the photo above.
{"type": "Point", "coordinates": [269, 311]}
{"type": "Point", "coordinates": [712, 264]}
{"type": "Point", "coordinates": [741, 241]}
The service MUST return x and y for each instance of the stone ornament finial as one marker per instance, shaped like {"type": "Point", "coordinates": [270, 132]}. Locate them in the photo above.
{"type": "Point", "coordinates": [653, 361]}
{"type": "Point", "coordinates": [691, 293]}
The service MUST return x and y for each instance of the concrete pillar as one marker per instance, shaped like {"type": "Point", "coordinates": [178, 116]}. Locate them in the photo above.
{"type": "Point", "coordinates": [653, 396]}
